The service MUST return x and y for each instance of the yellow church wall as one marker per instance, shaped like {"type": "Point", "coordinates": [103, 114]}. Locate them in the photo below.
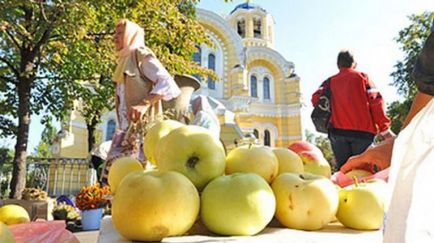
{"type": "Point", "coordinates": [230, 58]}
{"type": "Point", "coordinates": [287, 127]}
{"type": "Point", "coordinates": [277, 76]}
{"type": "Point", "coordinates": [78, 147]}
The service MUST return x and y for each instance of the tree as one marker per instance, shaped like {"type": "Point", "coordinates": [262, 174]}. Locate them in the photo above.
{"type": "Point", "coordinates": [411, 40]}
{"type": "Point", "coordinates": [43, 150]}
{"type": "Point", "coordinates": [27, 56]}
{"type": "Point", "coordinates": [51, 50]}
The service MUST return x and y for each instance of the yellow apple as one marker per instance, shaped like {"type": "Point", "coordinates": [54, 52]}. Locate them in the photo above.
{"type": "Point", "coordinates": [358, 173]}
{"type": "Point", "coordinates": [13, 214]}
{"type": "Point", "coordinates": [315, 164]}
{"type": "Point", "coordinates": [120, 168]}
{"type": "Point", "coordinates": [361, 206]}
{"type": "Point", "coordinates": [6, 235]}
{"type": "Point", "coordinates": [288, 160]}
{"type": "Point", "coordinates": [149, 206]}
{"type": "Point", "coordinates": [154, 135]}
{"type": "Point", "coordinates": [194, 152]}
{"type": "Point", "coordinates": [255, 159]}
{"type": "Point", "coordinates": [237, 204]}
{"type": "Point", "coordinates": [305, 201]}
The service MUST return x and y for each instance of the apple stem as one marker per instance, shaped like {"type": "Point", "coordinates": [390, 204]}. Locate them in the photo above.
{"type": "Point", "coordinates": [192, 161]}
{"type": "Point", "coordinates": [250, 145]}
{"type": "Point", "coordinates": [356, 181]}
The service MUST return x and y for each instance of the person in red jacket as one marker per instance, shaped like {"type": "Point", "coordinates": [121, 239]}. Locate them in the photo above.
{"type": "Point", "coordinates": [358, 113]}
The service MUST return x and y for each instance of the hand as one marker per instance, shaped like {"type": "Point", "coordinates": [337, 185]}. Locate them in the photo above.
{"type": "Point", "coordinates": [378, 156]}
{"type": "Point", "coordinates": [135, 113]}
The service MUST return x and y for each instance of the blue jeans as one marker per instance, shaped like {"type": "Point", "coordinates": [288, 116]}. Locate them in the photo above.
{"type": "Point", "coordinates": [344, 147]}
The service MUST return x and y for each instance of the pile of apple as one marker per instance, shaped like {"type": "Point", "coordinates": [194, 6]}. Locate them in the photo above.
{"type": "Point", "coordinates": [237, 194]}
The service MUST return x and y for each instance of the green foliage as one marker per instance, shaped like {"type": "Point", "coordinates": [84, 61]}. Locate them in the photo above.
{"type": "Point", "coordinates": [43, 150]}
{"type": "Point", "coordinates": [411, 40]}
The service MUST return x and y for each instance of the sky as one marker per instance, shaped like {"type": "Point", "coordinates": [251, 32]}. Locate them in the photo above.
{"type": "Point", "coordinates": [310, 33]}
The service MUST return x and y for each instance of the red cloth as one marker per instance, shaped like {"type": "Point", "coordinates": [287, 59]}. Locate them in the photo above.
{"type": "Point", "coordinates": [42, 231]}
{"type": "Point", "coordinates": [356, 104]}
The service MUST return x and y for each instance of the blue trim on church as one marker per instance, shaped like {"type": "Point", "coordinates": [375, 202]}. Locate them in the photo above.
{"type": "Point", "coordinates": [247, 6]}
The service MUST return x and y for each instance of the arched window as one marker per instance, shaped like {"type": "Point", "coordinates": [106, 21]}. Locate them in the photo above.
{"type": "Point", "coordinates": [256, 133]}
{"type": "Point", "coordinates": [267, 138]}
{"type": "Point", "coordinates": [257, 26]}
{"type": "Point", "coordinates": [211, 65]}
{"type": "Point", "coordinates": [110, 130]}
{"type": "Point", "coordinates": [266, 88]}
{"type": "Point", "coordinates": [197, 55]}
{"type": "Point", "coordinates": [253, 86]}
{"type": "Point", "coordinates": [241, 28]}
{"type": "Point", "coordinates": [197, 58]}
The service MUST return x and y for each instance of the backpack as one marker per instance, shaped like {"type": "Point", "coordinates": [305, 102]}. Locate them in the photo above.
{"type": "Point", "coordinates": [322, 111]}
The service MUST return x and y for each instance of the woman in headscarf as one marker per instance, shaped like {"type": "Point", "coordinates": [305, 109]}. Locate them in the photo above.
{"type": "Point", "coordinates": [204, 115]}
{"type": "Point", "coordinates": [141, 83]}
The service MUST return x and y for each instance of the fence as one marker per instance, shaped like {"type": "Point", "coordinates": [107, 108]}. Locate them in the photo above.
{"type": "Point", "coordinates": [59, 176]}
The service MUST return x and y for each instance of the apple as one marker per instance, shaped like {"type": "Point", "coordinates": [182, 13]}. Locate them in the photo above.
{"type": "Point", "coordinates": [302, 146]}
{"type": "Point", "coordinates": [315, 164]}
{"type": "Point", "coordinates": [194, 152]}
{"type": "Point", "coordinates": [237, 204]}
{"type": "Point", "coordinates": [120, 168]}
{"type": "Point", "coordinates": [358, 173]}
{"type": "Point", "coordinates": [288, 160]}
{"type": "Point", "coordinates": [13, 214]}
{"type": "Point", "coordinates": [154, 135]}
{"type": "Point", "coordinates": [255, 159]}
{"type": "Point", "coordinates": [305, 201]}
{"type": "Point", "coordinates": [361, 205]}
{"type": "Point", "coordinates": [149, 206]}
{"type": "Point", "coordinates": [6, 235]}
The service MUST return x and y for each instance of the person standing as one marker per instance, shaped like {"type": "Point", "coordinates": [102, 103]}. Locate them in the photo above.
{"type": "Point", "coordinates": [358, 113]}
{"type": "Point", "coordinates": [141, 83]}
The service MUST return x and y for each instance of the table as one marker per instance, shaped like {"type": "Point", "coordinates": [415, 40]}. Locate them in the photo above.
{"type": "Point", "coordinates": [333, 233]}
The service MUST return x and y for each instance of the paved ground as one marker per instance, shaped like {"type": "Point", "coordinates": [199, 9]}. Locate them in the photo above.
{"type": "Point", "coordinates": [87, 236]}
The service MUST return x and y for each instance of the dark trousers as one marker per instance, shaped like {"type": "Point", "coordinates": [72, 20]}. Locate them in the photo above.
{"type": "Point", "coordinates": [346, 146]}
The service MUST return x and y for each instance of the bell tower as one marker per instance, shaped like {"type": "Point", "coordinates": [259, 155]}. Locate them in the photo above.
{"type": "Point", "coordinates": [253, 23]}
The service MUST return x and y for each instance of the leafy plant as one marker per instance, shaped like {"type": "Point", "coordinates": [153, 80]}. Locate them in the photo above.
{"type": "Point", "coordinates": [66, 212]}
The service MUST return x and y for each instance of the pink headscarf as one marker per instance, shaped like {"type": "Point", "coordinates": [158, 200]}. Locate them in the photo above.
{"type": "Point", "coordinates": [134, 37]}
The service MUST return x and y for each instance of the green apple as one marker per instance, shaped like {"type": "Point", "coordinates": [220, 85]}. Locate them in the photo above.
{"type": "Point", "coordinates": [194, 152]}
{"type": "Point", "coordinates": [361, 206]}
{"type": "Point", "coordinates": [255, 159]}
{"type": "Point", "coordinates": [288, 160]}
{"type": "Point", "coordinates": [154, 135]}
{"type": "Point", "coordinates": [305, 201]}
{"type": "Point", "coordinates": [149, 206]}
{"type": "Point", "coordinates": [315, 164]}
{"type": "Point", "coordinates": [237, 204]}
{"type": "Point", "coordinates": [120, 168]}
{"type": "Point", "coordinates": [6, 235]}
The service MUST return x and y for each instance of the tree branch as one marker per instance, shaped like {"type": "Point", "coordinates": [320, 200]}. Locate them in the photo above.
{"type": "Point", "coordinates": [7, 79]}
{"type": "Point", "coordinates": [9, 64]}
{"type": "Point", "coordinates": [11, 36]}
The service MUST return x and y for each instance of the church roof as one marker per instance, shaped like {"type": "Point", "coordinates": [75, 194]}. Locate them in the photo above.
{"type": "Point", "coordinates": [247, 6]}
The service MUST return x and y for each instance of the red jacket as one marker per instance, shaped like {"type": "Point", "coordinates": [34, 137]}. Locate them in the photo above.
{"type": "Point", "coordinates": [356, 103]}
